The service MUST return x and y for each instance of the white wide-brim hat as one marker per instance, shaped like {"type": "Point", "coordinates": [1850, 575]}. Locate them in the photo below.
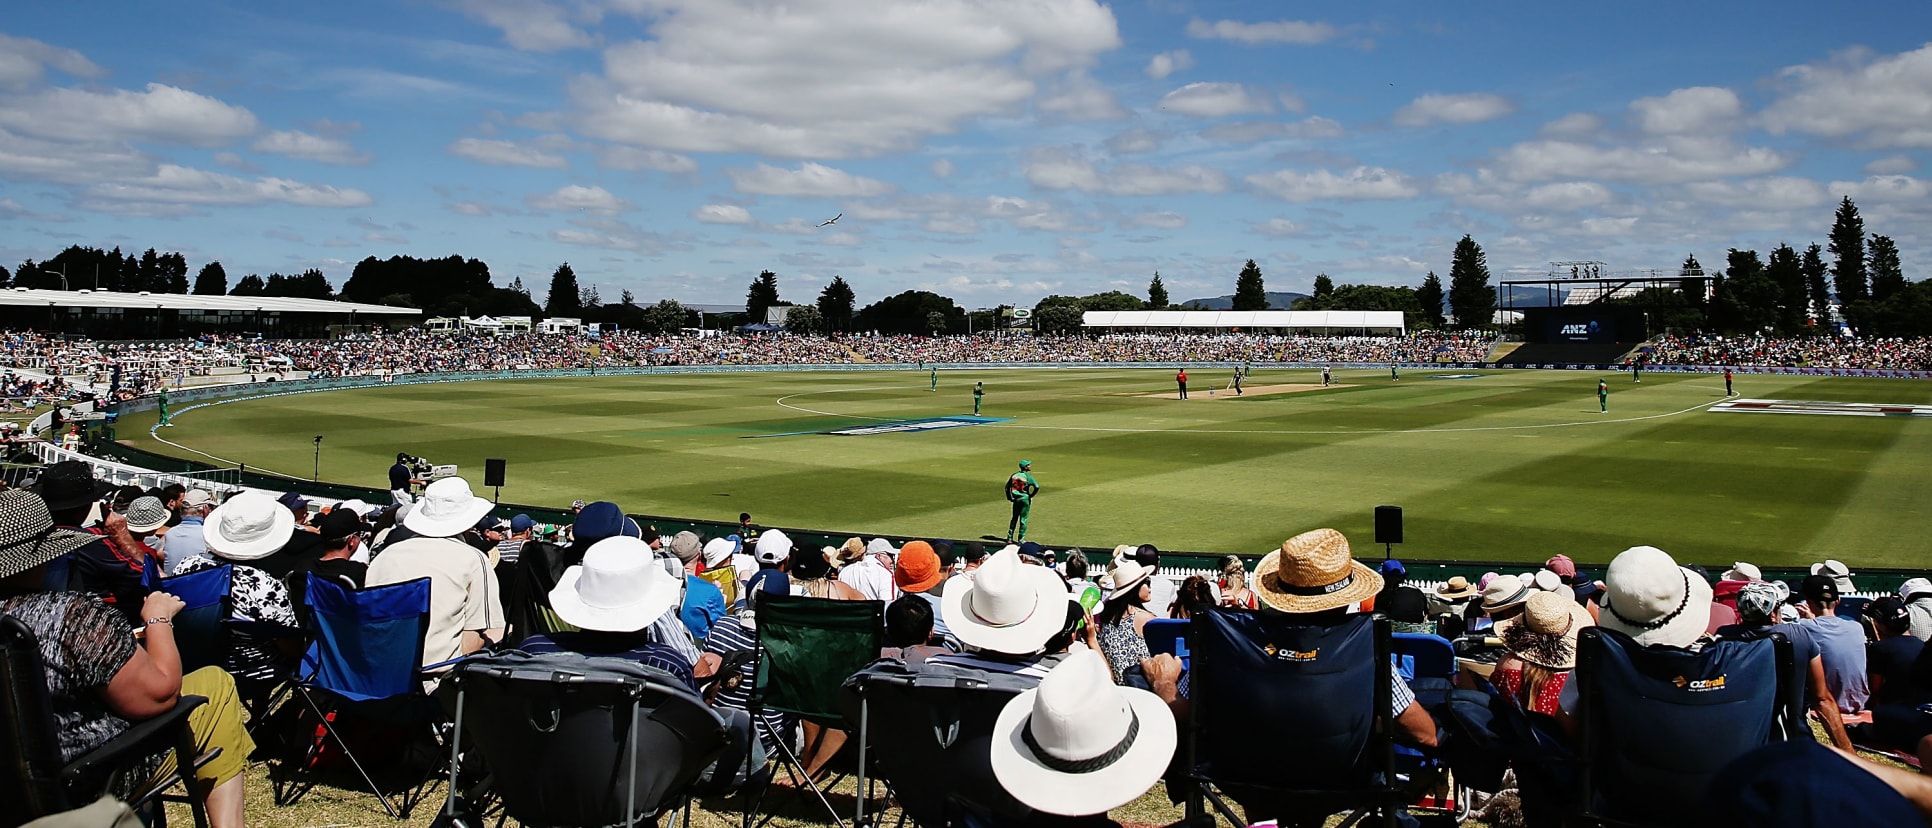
{"type": "Point", "coordinates": [1079, 744]}
{"type": "Point", "coordinates": [249, 527]}
{"type": "Point", "coordinates": [1648, 597]}
{"type": "Point", "coordinates": [620, 587]}
{"type": "Point", "coordinates": [1129, 575]}
{"type": "Point", "coordinates": [1006, 606]}
{"type": "Point", "coordinates": [446, 509]}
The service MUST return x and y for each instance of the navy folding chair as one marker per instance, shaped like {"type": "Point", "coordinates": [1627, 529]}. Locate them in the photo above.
{"type": "Point", "coordinates": [198, 630]}
{"type": "Point", "coordinates": [930, 739]}
{"type": "Point", "coordinates": [1254, 736]}
{"type": "Point", "coordinates": [1428, 663]}
{"type": "Point", "coordinates": [365, 656]}
{"type": "Point", "coordinates": [1658, 722]}
{"type": "Point", "coordinates": [1168, 635]}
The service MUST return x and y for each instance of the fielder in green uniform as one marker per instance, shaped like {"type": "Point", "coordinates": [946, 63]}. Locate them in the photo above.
{"type": "Point", "coordinates": [979, 392]}
{"type": "Point", "coordinates": [1603, 395]}
{"type": "Point", "coordinates": [163, 395]}
{"type": "Point", "coordinates": [935, 380]}
{"type": "Point", "coordinates": [1020, 489]}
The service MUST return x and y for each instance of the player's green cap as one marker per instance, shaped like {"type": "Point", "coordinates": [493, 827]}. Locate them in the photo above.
{"type": "Point", "coordinates": [1025, 463]}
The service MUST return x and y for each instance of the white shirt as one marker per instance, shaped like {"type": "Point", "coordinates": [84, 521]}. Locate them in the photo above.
{"type": "Point", "coordinates": [1163, 597]}
{"type": "Point", "coordinates": [871, 579]}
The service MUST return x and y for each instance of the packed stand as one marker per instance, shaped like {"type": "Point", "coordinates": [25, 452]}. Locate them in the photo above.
{"type": "Point", "coordinates": [1897, 354]}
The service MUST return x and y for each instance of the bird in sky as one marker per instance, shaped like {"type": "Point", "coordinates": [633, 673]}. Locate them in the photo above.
{"type": "Point", "coordinates": [832, 220]}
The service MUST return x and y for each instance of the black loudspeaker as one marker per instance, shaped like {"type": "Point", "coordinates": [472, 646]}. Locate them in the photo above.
{"type": "Point", "coordinates": [493, 476]}
{"type": "Point", "coordinates": [1388, 524]}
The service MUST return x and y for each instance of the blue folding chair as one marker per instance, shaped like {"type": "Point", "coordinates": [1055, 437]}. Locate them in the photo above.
{"type": "Point", "coordinates": [1251, 738]}
{"type": "Point", "coordinates": [1168, 635]}
{"type": "Point", "coordinates": [198, 627]}
{"type": "Point", "coordinates": [365, 655]}
{"type": "Point", "coordinates": [1657, 723]}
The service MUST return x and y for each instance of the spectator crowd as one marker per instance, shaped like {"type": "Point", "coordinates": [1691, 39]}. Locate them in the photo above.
{"type": "Point", "coordinates": [1806, 352]}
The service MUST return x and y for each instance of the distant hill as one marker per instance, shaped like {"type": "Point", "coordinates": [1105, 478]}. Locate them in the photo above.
{"type": "Point", "coordinates": [1276, 301]}
{"type": "Point", "coordinates": [1519, 296]}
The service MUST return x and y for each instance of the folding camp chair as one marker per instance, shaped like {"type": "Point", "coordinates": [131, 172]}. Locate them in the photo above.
{"type": "Point", "coordinates": [930, 740]}
{"type": "Point", "coordinates": [1428, 663]}
{"type": "Point", "coordinates": [365, 656]}
{"type": "Point", "coordinates": [39, 782]}
{"type": "Point", "coordinates": [1658, 722]}
{"type": "Point", "coordinates": [571, 740]}
{"type": "Point", "coordinates": [1169, 636]}
{"type": "Point", "coordinates": [198, 632]}
{"type": "Point", "coordinates": [806, 649]}
{"type": "Point", "coordinates": [1253, 736]}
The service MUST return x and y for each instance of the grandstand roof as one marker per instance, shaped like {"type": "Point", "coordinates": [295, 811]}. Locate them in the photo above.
{"type": "Point", "coordinates": [1293, 320]}
{"type": "Point", "coordinates": [25, 297]}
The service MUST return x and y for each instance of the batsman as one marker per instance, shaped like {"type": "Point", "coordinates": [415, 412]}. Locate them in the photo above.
{"type": "Point", "coordinates": [1020, 489]}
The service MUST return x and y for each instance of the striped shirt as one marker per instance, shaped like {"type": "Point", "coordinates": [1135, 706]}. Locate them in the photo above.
{"type": "Point", "coordinates": [729, 636]}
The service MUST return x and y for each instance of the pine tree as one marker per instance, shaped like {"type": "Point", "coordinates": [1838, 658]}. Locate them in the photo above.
{"type": "Point", "coordinates": [835, 304]}
{"type": "Point", "coordinates": [762, 295]}
{"type": "Point", "coordinates": [1429, 296]}
{"type": "Point", "coordinates": [174, 273]}
{"type": "Point", "coordinates": [590, 299]}
{"type": "Point", "coordinates": [627, 298]}
{"type": "Point", "coordinates": [1750, 297]}
{"type": "Point", "coordinates": [1817, 289]}
{"type": "Point", "coordinates": [517, 285]}
{"type": "Point", "coordinates": [1888, 277]}
{"type": "Point", "coordinates": [212, 280]}
{"type": "Point", "coordinates": [1848, 244]}
{"type": "Point", "coordinates": [1249, 291]}
{"type": "Point", "coordinates": [1470, 295]}
{"type": "Point", "coordinates": [1157, 293]}
{"type": "Point", "coordinates": [565, 299]}
{"type": "Point", "coordinates": [1324, 286]}
{"type": "Point", "coordinates": [1788, 274]}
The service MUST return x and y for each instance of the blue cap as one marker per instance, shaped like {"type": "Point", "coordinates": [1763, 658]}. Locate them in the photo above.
{"type": "Point", "coordinates": [598, 521]}
{"type": "Point", "coordinates": [522, 523]}
{"type": "Point", "coordinates": [293, 500]}
{"type": "Point", "coordinates": [1394, 567]}
{"type": "Point", "coordinates": [737, 543]}
{"type": "Point", "coordinates": [1032, 550]}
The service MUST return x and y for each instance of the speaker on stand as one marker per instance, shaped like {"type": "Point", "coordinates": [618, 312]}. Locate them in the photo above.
{"type": "Point", "coordinates": [1388, 528]}
{"type": "Point", "coordinates": [493, 477]}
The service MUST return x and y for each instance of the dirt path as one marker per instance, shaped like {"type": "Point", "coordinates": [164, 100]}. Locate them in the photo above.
{"type": "Point", "coordinates": [1223, 393]}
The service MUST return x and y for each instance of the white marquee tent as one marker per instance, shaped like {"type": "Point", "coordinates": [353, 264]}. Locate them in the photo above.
{"type": "Point", "coordinates": [1271, 321]}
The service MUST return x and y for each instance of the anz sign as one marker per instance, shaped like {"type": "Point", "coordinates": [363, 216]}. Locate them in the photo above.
{"type": "Point", "coordinates": [1582, 329]}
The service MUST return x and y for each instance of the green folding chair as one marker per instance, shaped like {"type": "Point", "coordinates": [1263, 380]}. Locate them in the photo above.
{"type": "Point", "coordinates": [806, 649]}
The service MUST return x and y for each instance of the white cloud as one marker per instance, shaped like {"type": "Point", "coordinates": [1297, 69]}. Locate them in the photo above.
{"type": "Point", "coordinates": [1668, 160]}
{"type": "Point", "coordinates": [1063, 170]}
{"type": "Point", "coordinates": [1567, 195]}
{"type": "Point", "coordinates": [722, 214]}
{"type": "Point", "coordinates": [1880, 189]}
{"type": "Point", "coordinates": [1278, 31]}
{"type": "Point", "coordinates": [171, 184]}
{"type": "Point", "coordinates": [298, 144]}
{"type": "Point", "coordinates": [1892, 164]}
{"type": "Point", "coordinates": [1770, 193]}
{"type": "Point", "coordinates": [1214, 100]}
{"type": "Point", "coordinates": [1357, 184]}
{"type": "Point", "coordinates": [162, 113]}
{"type": "Point", "coordinates": [1470, 108]}
{"type": "Point", "coordinates": [1883, 101]}
{"type": "Point", "coordinates": [1698, 109]}
{"type": "Point", "coordinates": [1136, 140]}
{"type": "Point", "coordinates": [1312, 128]}
{"type": "Point", "coordinates": [1081, 98]}
{"type": "Point", "coordinates": [235, 162]}
{"type": "Point", "coordinates": [531, 25]}
{"type": "Point", "coordinates": [634, 159]}
{"type": "Point", "coordinates": [828, 79]}
{"type": "Point", "coordinates": [23, 62]}
{"type": "Point", "coordinates": [506, 154]}
{"type": "Point", "coordinates": [576, 197]}
{"type": "Point", "coordinates": [809, 180]}
{"type": "Point", "coordinates": [1574, 125]}
{"type": "Point", "coordinates": [942, 168]}
{"type": "Point", "coordinates": [1160, 220]}
{"type": "Point", "coordinates": [1167, 63]}
{"type": "Point", "coordinates": [1276, 228]}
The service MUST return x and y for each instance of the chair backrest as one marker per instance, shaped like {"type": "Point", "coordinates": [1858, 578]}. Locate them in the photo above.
{"type": "Point", "coordinates": [1281, 705]}
{"type": "Point", "coordinates": [366, 644]}
{"type": "Point", "coordinates": [572, 740]}
{"type": "Point", "coordinates": [1659, 722]}
{"type": "Point", "coordinates": [1168, 635]}
{"type": "Point", "coordinates": [1420, 655]}
{"type": "Point", "coordinates": [808, 646]}
{"type": "Point", "coordinates": [931, 728]}
{"type": "Point", "coordinates": [29, 746]}
{"type": "Point", "coordinates": [198, 626]}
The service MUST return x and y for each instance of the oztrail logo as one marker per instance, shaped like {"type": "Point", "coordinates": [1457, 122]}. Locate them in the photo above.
{"type": "Point", "coordinates": [1699, 685]}
{"type": "Point", "coordinates": [1285, 654]}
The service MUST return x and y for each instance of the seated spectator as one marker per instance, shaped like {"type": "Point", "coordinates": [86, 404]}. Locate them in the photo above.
{"type": "Point", "coordinates": [1888, 661]}
{"type": "Point", "coordinates": [1407, 610]}
{"type": "Point", "coordinates": [101, 677]}
{"type": "Point", "coordinates": [614, 598]}
{"type": "Point", "coordinates": [1234, 584]}
{"type": "Point", "coordinates": [733, 637]}
{"type": "Point", "coordinates": [185, 540]}
{"type": "Point", "coordinates": [1653, 600]}
{"type": "Point", "coordinates": [111, 566]}
{"type": "Point", "coordinates": [303, 547]}
{"type": "Point", "coordinates": [1196, 593]}
{"type": "Point", "coordinates": [718, 569]}
{"type": "Point", "coordinates": [1841, 641]}
{"type": "Point", "coordinates": [1917, 595]}
{"type": "Point", "coordinates": [1004, 616]}
{"type": "Point", "coordinates": [1757, 610]}
{"type": "Point", "coordinates": [523, 529]}
{"type": "Point", "coordinates": [703, 603]}
{"type": "Point", "coordinates": [248, 528]}
{"type": "Point", "coordinates": [811, 574]}
{"type": "Point", "coordinates": [1540, 653]}
{"type": "Point", "coordinates": [1149, 556]}
{"type": "Point", "coordinates": [147, 522]}
{"type": "Point", "coordinates": [1503, 599]}
{"type": "Point", "coordinates": [1124, 616]}
{"type": "Point", "coordinates": [1563, 567]}
{"type": "Point", "coordinates": [909, 631]}
{"type": "Point", "coordinates": [774, 553]}
{"type": "Point", "coordinates": [1589, 593]}
{"type": "Point", "coordinates": [868, 568]}
{"type": "Point", "coordinates": [918, 573]}
{"type": "Point", "coordinates": [1727, 586]}
{"type": "Point", "coordinates": [466, 610]}
{"type": "Point", "coordinates": [1452, 597]}
{"type": "Point", "coordinates": [1076, 568]}
{"type": "Point", "coordinates": [1079, 746]}
{"type": "Point", "coordinates": [341, 533]}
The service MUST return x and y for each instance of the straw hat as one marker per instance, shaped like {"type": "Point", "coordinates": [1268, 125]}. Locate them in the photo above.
{"type": "Point", "coordinates": [1007, 606]}
{"type": "Point", "coordinates": [249, 527]}
{"type": "Point", "coordinates": [1457, 589]}
{"type": "Point", "coordinates": [27, 534]}
{"type": "Point", "coordinates": [1545, 634]}
{"type": "Point", "coordinates": [1648, 597]}
{"type": "Point", "coordinates": [1313, 572]}
{"type": "Point", "coordinates": [852, 550]}
{"type": "Point", "coordinates": [1125, 579]}
{"type": "Point", "coordinates": [620, 587]}
{"type": "Point", "coordinates": [446, 509]}
{"type": "Point", "coordinates": [1079, 744]}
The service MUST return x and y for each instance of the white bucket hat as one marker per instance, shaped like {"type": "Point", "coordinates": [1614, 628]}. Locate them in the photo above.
{"type": "Point", "coordinates": [446, 509]}
{"type": "Point", "coordinates": [1078, 744]}
{"type": "Point", "coordinates": [1741, 571]}
{"type": "Point", "coordinates": [1007, 606]}
{"type": "Point", "coordinates": [1913, 588]}
{"type": "Point", "coordinates": [1838, 572]}
{"type": "Point", "coordinates": [620, 587]}
{"type": "Point", "coordinates": [1648, 597]}
{"type": "Point", "coordinates": [717, 551]}
{"type": "Point", "coordinates": [250, 526]}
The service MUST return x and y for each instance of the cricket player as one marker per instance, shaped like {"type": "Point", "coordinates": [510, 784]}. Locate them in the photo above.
{"type": "Point", "coordinates": [1237, 382]}
{"type": "Point", "coordinates": [935, 379]}
{"type": "Point", "coordinates": [1180, 379]}
{"type": "Point", "coordinates": [162, 394]}
{"type": "Point", "coordinates": [1603, 395]}
{"type": "Point", "coordinates": [1020, 489]}
{"type": "Point", "coordinates": [1393, 376]}
{"type": "Point", "coordinates": [1727, 384]}
{"type": "Point", "coordinates": [979, 393]}
{"type": "Point", "coordinates": [1326, 377]}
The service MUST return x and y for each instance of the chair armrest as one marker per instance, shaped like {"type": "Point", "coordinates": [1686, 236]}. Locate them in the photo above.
{"type": "Point", "coordinates": [143, 738]}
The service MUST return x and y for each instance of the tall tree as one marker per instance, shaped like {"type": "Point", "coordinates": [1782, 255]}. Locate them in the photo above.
{"type": "Point", "coordinates": [665, 317]}
{"type": "Point", "coordinates": [564, 299]}
{"type": "Point", "coordinates": [1471, 296]}
{"type": "Point", "coordinates": [1324, 286]}
{"type": "Point", "coordinates": [1817, 290]}
{"type": "Point", "coordinates": [590, 299]}
{"type": "Point", "coordinates": [311, 284]}
{"type": "Point", "coordinates": [250, 285]}
{"type": "Point", "coordinates": [805, 319]}
{"type": "Point", "coordinates": [1848, 244]}
{"type": "Point", "coordinates": [762, 295]}
{"type": "Point", "coordinates": [516, 284]}
{"type": "Point", "coordinates": [174, 273]}
{"type": "Point", "coordinates": [6, 279]}
{"type": "Point", "coordinates": [1249, 292]}
{"type": "Point", "coordinates": [1888, 276]}
{"type": "Point", "coordinates": [1787, 272]}
{"type": "Point", "coordinates": [150, 279]}
{"type": "Point", "coordinates": [1749, 299]}
{"type": "Point", "coordinates": [1157, 294]}
{"type": "Point", "coordinates": [835, 305]}
{"type": "Point", "coordinates": [1430, 297]}
{"type": "Point", "coordinates": [212, 280]}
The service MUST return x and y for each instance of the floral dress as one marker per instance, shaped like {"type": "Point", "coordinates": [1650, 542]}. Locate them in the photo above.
{"type": "Point", "coordinates": [1123, 646]}
{"type": "Point", "coordinates": [254, 596]}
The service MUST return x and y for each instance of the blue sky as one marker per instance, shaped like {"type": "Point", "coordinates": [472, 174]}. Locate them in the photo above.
{"type": "Point", "coordinates": [990, 150]}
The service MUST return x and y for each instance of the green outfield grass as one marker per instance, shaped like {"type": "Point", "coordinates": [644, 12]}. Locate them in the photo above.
{"type": "Point", "coordinates": [1511, 465]}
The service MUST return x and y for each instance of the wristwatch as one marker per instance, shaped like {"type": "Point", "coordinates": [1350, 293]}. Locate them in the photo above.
{"type": "Point", "coordinates": [159, 620]}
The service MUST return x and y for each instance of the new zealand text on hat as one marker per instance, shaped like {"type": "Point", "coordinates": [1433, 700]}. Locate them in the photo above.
{"type": "Point", "coordinates": [1079, 744]}
{"type": "Point", "coordinates": [1313, 571]}
{"type": "Point", "coordinates": [1006, 606]}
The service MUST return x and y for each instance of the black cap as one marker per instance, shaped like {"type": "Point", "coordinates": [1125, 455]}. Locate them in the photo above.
{"type": "Point", "coordinates": [67, 484]}
{"type": "Point", "coordinates": [339, 523]}
{"type": "Point", "coordinates": [1820, 588]}
{"type": "Point", "coordinates": [1889, 611]}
